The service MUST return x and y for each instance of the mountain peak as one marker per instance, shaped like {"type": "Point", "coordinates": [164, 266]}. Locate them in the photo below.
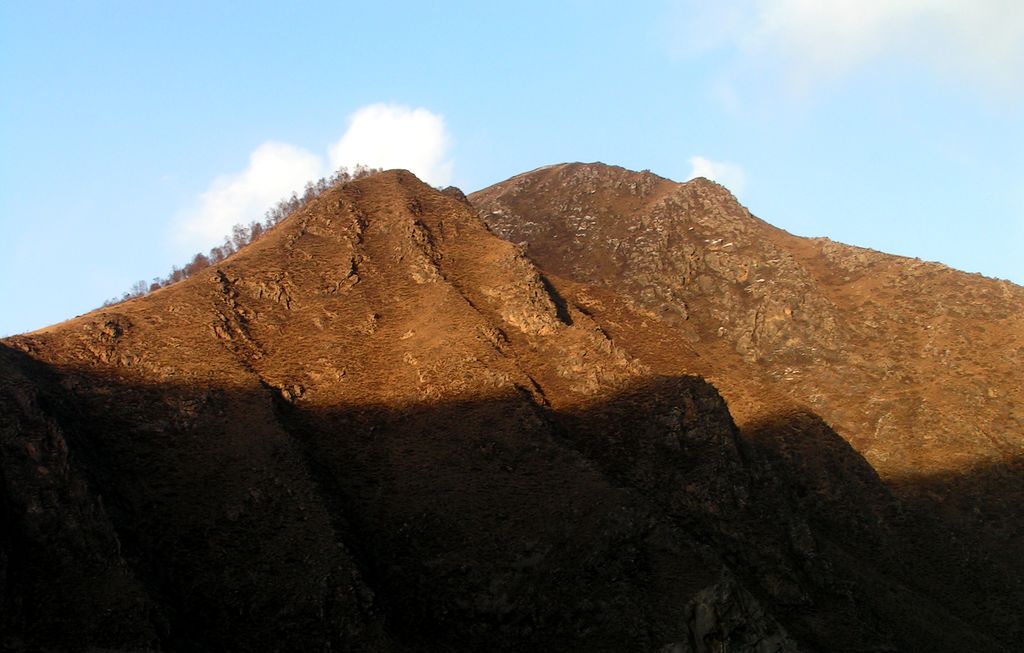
{"type": "Point", "coordinates": [585, 408]}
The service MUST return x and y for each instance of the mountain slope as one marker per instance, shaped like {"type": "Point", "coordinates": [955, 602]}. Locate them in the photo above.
{"type": "Point", "coordinates": [916, 365]}
{"type": "Point", "coordinates": [382, 427]}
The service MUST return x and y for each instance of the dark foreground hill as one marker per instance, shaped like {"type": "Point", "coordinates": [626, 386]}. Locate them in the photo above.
{"type": "Point", "coordinates": [382, 427]}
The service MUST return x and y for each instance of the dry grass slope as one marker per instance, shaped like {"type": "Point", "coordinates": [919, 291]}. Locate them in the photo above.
{"type": "Point", "coordinates": [383, 427]}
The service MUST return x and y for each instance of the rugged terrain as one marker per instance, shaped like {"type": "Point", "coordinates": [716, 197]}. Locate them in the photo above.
{"type": "Point", "coordinates": [407, 420]}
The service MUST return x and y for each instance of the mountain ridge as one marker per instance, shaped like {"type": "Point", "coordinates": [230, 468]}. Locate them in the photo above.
{"type": "Point", "coordinates": [839, 322]}
{"type": "Point", "coordinates": [382, 427]}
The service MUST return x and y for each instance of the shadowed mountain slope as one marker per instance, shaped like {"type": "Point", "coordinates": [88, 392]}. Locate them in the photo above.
{"type": "Point", "coordinates": [382, 427]}
{"type": "Point", "coordinates": [917, 366]}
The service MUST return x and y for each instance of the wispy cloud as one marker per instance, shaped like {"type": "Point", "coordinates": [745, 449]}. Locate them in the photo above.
{"type": "Point", "coordinates": [815, 40]}
{"type": "Point", "coordinates": [729, 175]}
{"type": "Point", "coordinates": [378, 135]}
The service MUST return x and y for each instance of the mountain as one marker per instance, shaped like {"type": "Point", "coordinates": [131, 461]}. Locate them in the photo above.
{"type": "Point", "coordinates": [584, 409]}
{"type": "Point", "coordinates": [916, 366]}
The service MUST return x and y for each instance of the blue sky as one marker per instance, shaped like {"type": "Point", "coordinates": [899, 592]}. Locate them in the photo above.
{"type": "Point", "coordinates": [131, 133]}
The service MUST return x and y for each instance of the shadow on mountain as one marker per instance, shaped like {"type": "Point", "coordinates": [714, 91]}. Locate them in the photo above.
{"type": "Point", "coordinates": [955, 537]}
{"type": "Point", "coordinates": [196, 517]}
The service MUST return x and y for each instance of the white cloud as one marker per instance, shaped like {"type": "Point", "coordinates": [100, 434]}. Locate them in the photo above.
{"type": "Point", "coordinates": [275, 170]}
{"type": "Point", "coordinates": [729, 175]}
{"type": "Point", "coordinates": [982, 40]}
{"type": "Point", "coordinates": [378, 135]}
{"type": "Point", "coordinates": [394, 136]}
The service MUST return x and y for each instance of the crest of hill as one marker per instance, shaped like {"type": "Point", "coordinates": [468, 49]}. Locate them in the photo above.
{"type": "Point", "coordinates": [916, 365]}
{"type": "Point", "coordinates": [383, 427]}
{"type": "Point", "coordinates": [833, 326]}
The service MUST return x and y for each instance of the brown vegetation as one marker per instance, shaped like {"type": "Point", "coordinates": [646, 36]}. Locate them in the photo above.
{"type": "Point", "coordinates": [242, 235]}
{"type": "Point", "coordinates": [381, 427]}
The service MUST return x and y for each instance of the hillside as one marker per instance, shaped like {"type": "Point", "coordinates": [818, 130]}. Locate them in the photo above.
{"type": "Point", "coordinates": [915, 365]}
{"type": "Point", "coordinates": [383, 426]}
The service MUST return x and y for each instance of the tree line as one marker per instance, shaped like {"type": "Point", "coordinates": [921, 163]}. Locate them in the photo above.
{"type": "Point", "coordinates": [242, 235]}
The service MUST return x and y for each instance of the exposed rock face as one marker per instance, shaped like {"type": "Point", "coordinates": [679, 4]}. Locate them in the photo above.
{"type": "Point", "coordinates": [725, 617]}
{"type": "Point", "coordinates": [382, 427]}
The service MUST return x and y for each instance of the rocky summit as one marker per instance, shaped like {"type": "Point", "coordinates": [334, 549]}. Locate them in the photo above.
{"type": "Point", "coordinates": [585, 409]}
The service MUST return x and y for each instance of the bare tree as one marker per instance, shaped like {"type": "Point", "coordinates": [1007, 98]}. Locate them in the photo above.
{"type": "Point", "coordinates": [242, 235]}
{"type": "Point", "coordinates": [199, 262]}
{"type": "Point", "coordinates": [138, 289]}
{"type": "Point", "coordinates": [255, 231]}
{"type": "Point", "coordinates": [239, 237]}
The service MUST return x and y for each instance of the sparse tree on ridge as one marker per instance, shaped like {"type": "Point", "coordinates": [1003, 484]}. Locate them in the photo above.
{"type": "Point", "coordinates": [199, 262]}
{"type": "Point", "coordinates": [255, 231]}
{"type": "Point", "coordinates": [242, 235]}
{"type": "Point", "coordinates": [138, 289]}
{"type": "Point", "coordinates": [239, 237]}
